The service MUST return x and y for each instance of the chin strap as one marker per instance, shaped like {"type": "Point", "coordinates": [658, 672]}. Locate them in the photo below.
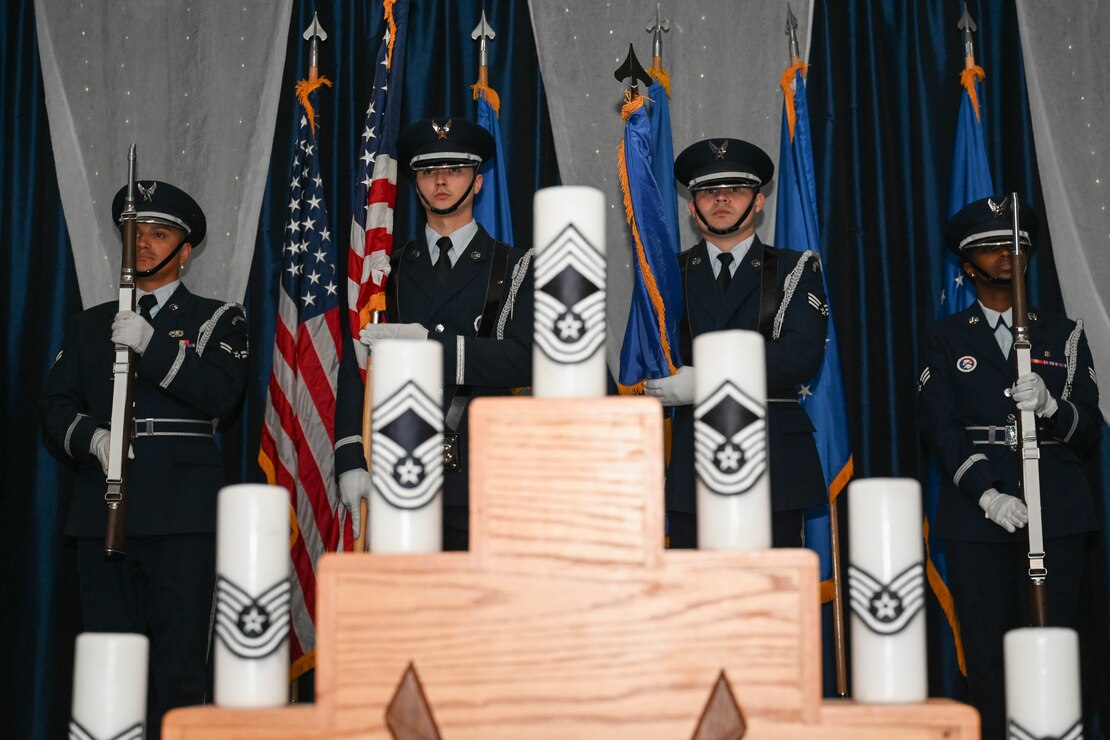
{"type": "Point", "coordinates": [735, 226]}
{"type": "Point", "coordinates": [154, 270]}
{"type": "Point", "coordinates": [986, 275]}
{"type": "Point", "coordinates": [452, 209]}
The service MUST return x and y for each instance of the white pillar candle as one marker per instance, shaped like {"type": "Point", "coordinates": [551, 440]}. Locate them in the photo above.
{"type": "Point", "coordinates": [252, 596]}
{"type": "Point", "coordinates": [568, 357]}
{"type": "Point", "coordinates": [406, 450]}
{"type": "Point", "coordinates": [730, 441]}
{"type": "Point", "coordinates": [109, 685]}
{"type": "Point", "coordinates": [1042, 683]}
{"type": "Point", "coordinates": [886, 588]}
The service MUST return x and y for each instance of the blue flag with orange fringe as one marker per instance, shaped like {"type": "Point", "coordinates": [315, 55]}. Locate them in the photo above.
{"type": "Point", "coordinates": [491, 205]}
{"type": "Point", "coordinates": [650, 348]}
{"type": "Point", "coordinates": [662, 147]}
{"type": "Point", "coordinates": [796, 227]}
{"type": "Point", "coordinates": [971, 180]}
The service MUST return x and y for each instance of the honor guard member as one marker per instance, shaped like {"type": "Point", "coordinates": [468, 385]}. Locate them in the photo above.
{"type": "Point", "coordinates": [967, 403]}
{"type": "Point", "coordinates": [732, 280]}
{"type": "Point", "coordinates": [190, 370]}
{"type": "Point", "coordinates": [458, 286]}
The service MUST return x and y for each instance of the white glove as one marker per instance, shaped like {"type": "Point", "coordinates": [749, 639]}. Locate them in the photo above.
{"type": "Point", "coordinates": [354, 487]}
{"type": "Point", "coordinates": [1030, 394]}
{"type": "Point", "coordinates": [1004, 510]}
{"type": "Point", "coordinates": [676, 390]}
{"type": "Point", "coordinates": [371, 334]}
{"type": "Point", "coordinates": [131, 330]}
{"type": "Point", "coordinates": [100, 446]}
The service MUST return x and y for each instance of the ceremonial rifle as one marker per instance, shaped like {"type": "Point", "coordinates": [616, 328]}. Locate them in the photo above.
{"type": "Point", "coordinates": [123, 383]}
{"type": "Point", "coordinates": [1029, 478]}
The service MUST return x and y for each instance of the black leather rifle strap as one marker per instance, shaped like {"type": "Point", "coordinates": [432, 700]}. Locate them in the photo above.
{"type": "Point", "coordinates": [768, 292]}
{"type": "Point", "coordinates": [495, 288]}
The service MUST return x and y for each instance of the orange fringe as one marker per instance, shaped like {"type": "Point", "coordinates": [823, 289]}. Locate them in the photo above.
{"type": "Point", "coordinates": [304, 89]}
{"type": "Point", "coordinates": [631, 390]}
{"type": "Point", "coordinates": [489, 94]}
{"type": "Point", "coordinates": [631, 105]}
{"type": "Point", "coordinates": [968, 78]}
{"type": "Point", "coordinates": [944, 596]}
{"type": "Point", "coordinates": [376, 303]}
{"type": "Point", "coordinates": [828, 591]}
{"type": "Point", "coordinates": [786, 83]}
{"type": "Point", "coordinates": [387, 5]}
{"type": "Point", "coordinates": [662, 77]}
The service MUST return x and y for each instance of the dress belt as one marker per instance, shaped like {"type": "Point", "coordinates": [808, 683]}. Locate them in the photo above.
{"type": "Point", "coordinates": [1004, 435]}
{"type": "Point", "coordinates": [172, 428]}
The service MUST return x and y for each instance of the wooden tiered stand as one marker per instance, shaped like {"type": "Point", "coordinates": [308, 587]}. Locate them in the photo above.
{"type": "Point", "coordinates": [567, 618]}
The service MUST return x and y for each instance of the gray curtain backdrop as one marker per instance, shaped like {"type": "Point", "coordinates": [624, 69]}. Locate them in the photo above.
{"type": "Point", "coordinates": [196, 86]}
{"type": "Point", "coordinates": [1068, 75]}
{"type": "Point", "coordinates": [724, 57]}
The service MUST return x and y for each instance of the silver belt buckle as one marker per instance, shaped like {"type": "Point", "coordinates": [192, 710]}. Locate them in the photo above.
{"type": "Point", "coordinates": [138, 430]}
{"type": "Point", "coordinates": [452, 460]}
{"type": "Point", "coordinates": [1011, 436]}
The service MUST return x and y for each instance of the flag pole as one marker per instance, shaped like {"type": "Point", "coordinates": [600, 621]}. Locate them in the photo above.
{"type": "Point", "coordinates": [967, 25]}
{"type": "Point", "coordinates": [481, 33]}
{"type": "Point", "coordinates": [656, 28]}
{"type": "Point", "coordinates": [839, 643]}
{"type": "Point", "coordinates": [314, 34]}
{"type": "Point", "coordinates": [367, 408]}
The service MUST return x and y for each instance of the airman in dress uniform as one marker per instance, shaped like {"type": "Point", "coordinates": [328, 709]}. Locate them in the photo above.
{"type": "Point", "coordinates": [455, 285]}
{"type": "Point", "coordinates": [190, 371]}
{"type": "Point", "coordinates": [732, 280]}
{"type": "Point", "coordinates": [968, 401]}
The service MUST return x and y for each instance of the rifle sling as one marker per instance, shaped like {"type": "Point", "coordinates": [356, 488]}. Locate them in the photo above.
{"type": "Point", "coordinates": [495, 287]}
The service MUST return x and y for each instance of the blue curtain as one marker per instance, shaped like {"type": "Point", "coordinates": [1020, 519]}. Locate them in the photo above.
{"type": "Point", "coordinates": [39, 614]}
{"type": "Point", "coordinates": [884, 91]}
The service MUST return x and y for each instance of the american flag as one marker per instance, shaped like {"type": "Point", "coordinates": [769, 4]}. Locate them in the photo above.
{"type": "Point", "coordinates": [376, 189]}
{"type": "Point", "coordinates": [297, 436]}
